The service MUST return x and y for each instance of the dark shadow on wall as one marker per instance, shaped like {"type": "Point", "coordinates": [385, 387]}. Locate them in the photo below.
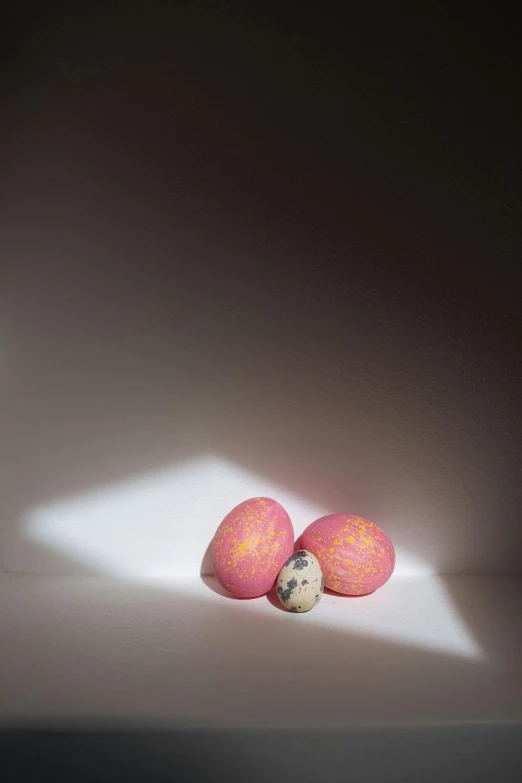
{"type": "Point", "coordinates": [206, 563]}
{"type": "Point", "coordinates": [490, 620]}
{"type": "Point", "coordinates": [292, 260]}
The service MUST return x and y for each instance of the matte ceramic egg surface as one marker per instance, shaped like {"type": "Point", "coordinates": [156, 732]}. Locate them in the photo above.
{"type": "Point", "coordinates": [251, 545]}
{"type": "Point", "coordinates": [300, 583]}
{"type": "Point", "coordinates": [356, 556]}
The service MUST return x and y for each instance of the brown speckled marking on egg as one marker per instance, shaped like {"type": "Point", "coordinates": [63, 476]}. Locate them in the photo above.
{"type": "Point", "coordinates": [300, 582]}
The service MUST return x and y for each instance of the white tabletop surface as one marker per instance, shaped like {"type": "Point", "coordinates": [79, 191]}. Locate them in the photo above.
{"type": "Point", "coordinates": [425, 649]}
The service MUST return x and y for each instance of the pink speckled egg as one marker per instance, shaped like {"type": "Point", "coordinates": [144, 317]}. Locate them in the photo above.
{"type": "Point", "coordinates": [355, 555]}
{"type": "Point", "coordinates": [251, 545]}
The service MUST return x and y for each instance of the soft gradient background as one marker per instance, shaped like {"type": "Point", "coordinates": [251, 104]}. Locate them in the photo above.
{"type": "Point", "coordinates": [247, 252]}
{"type": "Point", "coordinates": [262, 237]}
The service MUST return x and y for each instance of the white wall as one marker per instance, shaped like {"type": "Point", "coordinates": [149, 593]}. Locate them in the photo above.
{"type": "Point", "coordinates": [187, 275]}
{"type": "Point", "coordinates": [245, 252]}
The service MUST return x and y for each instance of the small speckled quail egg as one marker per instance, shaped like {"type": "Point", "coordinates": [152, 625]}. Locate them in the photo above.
{"type": "Point", "coordinates": [300, 582]}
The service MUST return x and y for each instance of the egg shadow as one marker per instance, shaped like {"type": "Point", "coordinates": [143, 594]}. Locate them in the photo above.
{"type": "Point", "coordinates": [273, 599]}
{"type": "Point", "coordinates": [213, 584]}
{"type": "Point", "coordinates": [206, 564]}
{"type": "Point", "coordinates": [206, 574]}
{"type": "Point", "coordinates": [328, 591]}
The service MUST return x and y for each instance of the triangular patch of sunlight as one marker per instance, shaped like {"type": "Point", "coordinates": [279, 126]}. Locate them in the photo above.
{"type": "Point", "coordinates": [157, 527]}
{"type": "Point", "coordinates": [416, 612]}
{"type": "Point", "coordinates": [407, 564]}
